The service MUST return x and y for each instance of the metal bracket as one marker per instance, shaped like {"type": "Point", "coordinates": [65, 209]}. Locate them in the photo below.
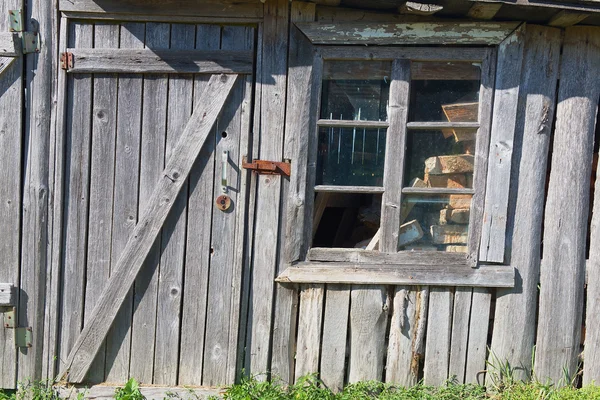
{"type": "Point", "coordinates": [66, 60]}
{"type": "Point", "coordinates": [10, 318]}
{"type": "Point", "coordinates": [31, 42]}
{"type": "Point", "coordinates": [15, 18]}
{"type": "Point", "coordinates": [23, 337]}
{"type": "Point", "coordinates": [264, 167]}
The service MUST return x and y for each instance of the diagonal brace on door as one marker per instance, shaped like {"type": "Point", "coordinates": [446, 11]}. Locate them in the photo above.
{"type": "Point", "coordinates": [148, 227]}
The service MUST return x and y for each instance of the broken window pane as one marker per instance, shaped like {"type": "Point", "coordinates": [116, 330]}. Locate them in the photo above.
{"type": "Point", "coordinates": [355, 90]}
{"type": "Point", "coordinates": [440, 158]}
{"type": "Point", "coordinates": [351, 156]}
{"type": "Point", "coordinates": [435, 222]}
{"type": "Point", "coordinates": [444, 91]}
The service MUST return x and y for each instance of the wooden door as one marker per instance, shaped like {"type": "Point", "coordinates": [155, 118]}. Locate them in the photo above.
{"type": "Point", "coordinates": [134, 92]}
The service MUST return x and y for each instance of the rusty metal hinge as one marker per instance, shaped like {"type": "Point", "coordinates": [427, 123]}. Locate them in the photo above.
{"type": "Point", "coordinates": [265, 167]}
{"type": "Point", "coordinates": [22, 336]}
{"type": "Point", "coordinates": [66, 60]}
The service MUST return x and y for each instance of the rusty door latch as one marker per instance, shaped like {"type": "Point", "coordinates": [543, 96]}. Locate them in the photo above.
{"type": "Point", "coordinates": [264, 167]}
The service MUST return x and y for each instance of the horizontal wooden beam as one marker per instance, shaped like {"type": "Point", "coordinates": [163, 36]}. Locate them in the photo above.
{"type": "Point", "coordinates": [349, 189]}
{"type": "Point", "coordinates": [239, 8]}
{"type": "Point", "coordinates": [590, 5]}
{"type": "Point", "coordinates": [381, 258]}
{"type": "Point", "coordinates": [9, 45]}
{"type": "Point", "coordinates": [565, 18]}
{"type": "Point", "coordinates": [107, 392]}
{"type": "Point", "coordinates": [369, 274]}
{"type": "Point", "coordinates": [160, 61]}
{"type": "Point", "coordinates": [364, 53]}
{"type": "Point", "coordinates": [190, 19]}
{"type": "Point", "coordinates": [484, 10]}
{"type": "Point", "coordinates": [419, 33]}
{"type": "Point", "coordinates": [7, 295]}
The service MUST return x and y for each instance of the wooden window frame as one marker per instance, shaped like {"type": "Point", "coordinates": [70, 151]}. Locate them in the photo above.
{"type": "Point", "coordinates": [388, 265]}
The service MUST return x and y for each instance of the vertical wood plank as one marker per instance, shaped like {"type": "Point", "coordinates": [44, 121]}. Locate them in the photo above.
{"type": "Point", "coordinates": [75, 200]}
{"type": "Point", "coordinates": [403, 329]}
{"type": "Point", "coordinates": [516, 308]}
{"type": "Point", "coordinates": [368, 320]}
{"type": "Point", "coordinates": [508, 76]}
{"type": "Point", "coordinates": [104, 117]}
{"type": "Point", "coordinates": [125, 206]}
{"type": "Point", "coordinates": [460, 333]}
{"type": "Point", "coordinates": [335, 334]}
{"type": "Point", "coordinates": [309, 329]}
{"type": "Point", "coordinates": [170, 282]}
{"type": "Point", "coordinates": [152, 151]}
{"type": "Point", "coordinates": [439, 324]}
{"type": "Point", "coordinates": [565, 222]}
{"type": "Point", "coordinates": [200, 204]}
{"type": "Point", "coordinates": [478, 335]}
{"type": "Point", "coordinates": [273, 88]}
{"type": "Point", "coordinates": [11, 89]}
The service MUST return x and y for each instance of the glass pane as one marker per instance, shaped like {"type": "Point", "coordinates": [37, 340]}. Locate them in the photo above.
{"type": "Point", "coordinates": [348, 220]}
{"type": "Point", "coordinates": [442, 91]}
{"type": "Point", "coordinates": [351, 156]}
{"type": "Point", "coordinates": [435, 223]}
{"type": "Point", "coordinates": [355, 90]}
{"type": "Point", "coordinates": [440, 158]}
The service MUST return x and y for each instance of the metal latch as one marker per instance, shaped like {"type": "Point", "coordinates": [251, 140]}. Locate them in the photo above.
{"type": "Point", "coordinates": [66, 60]}
{"type": "Point", "coordinates": [265, 167]}
{"type": "Point", "coordinates": [30, 40]}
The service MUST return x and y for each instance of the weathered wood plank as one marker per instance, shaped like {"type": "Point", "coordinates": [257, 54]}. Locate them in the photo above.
{"type": "Point", "coordinates": [102, 177]}
{"type": "Point", "coordinates": [508, 76]}
{"type": "Point", "coordinates": [403, 329]}
{"type": "Point", "coordinates": [434, 275]}
{"type": "Point", "coordinates": [107, 392]}
{"type": "Point", "coordinates": [335, 329]}
{"type": "Point", "coordinates": [272, 112]}
{"type": "Point", "coordinates": [460, 333]}
{"type": "Point", "coordinates": [565, 18]}
{"type": "Point", "coordinates": [170, 278]}
{"type": "Point", "coordinates": [7, 295]}
{"type": "Point", "coordinates": [309, 329]}
{"type": "Point", "coordinates": [484, 10]}
{"type": "Point", "coordinates": [5, 63]}
{"type": "Point", "coordinates": [78, 131]}
{"type": "Point", "coordinates": [200, 201]}
{"type": "Point", "coordinates": [125, 198]}
{"type": "Point", "coordinates": [563, 265]}
{"type": "Point", "coordinates": [411, 53]}
{"type": "Point", "coordinates": [156, 61]}
{"type": "Point", "coordinates": [150, 18]}
{"type": "Point", "coordinates": [9, 42]}
{"type": "Point", "coordinates": [376, 257]}
{"type": "Point", "coordinates": [478, 335]}
{"type": "Point", "coordinates": [516, 308]}
{"type": "Point", "coordinates": [487, 33]}
{"type": "Point", "coordinates": [578, 6]}
{"type": "Point", "coordinates": [368, 319]}
{"type": "Point", "coordinates": [223, 244]}
{"type": "Point", "coordinates": [152, 153]}
{"type": "Point", "coordinates": [439, 327]}
{"type": "Point", "coordinates": [166, 7]}
{"type": "Point", "coordinates": [150, 222]}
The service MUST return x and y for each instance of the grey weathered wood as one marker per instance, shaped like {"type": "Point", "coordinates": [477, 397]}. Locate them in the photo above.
{"type": "Point", "coordinates": [563, 265]}
{"type": "Point", "coordinates": [9, 42]}
{"type": "Point", "coordinates": [486, 93]}
{"type": "Point", "coordinates": [393, 174]}
{"type": "Point", "coordinates": [152, 153]}
{"type": "Point", "coordinates": [368, 319]}
{"type": "Point", "coordinates": [335, 329]}
{"type": "Point", "coordinates": [580, 5]}
{"type": "Point", "coordinates": [310, 318]}
{"type": "Point", "coordinates": [591, 368]}
{"type": "Point", "coordinates": [273, 88]}
{"type": "Point", "coordinates": [478, 335]}
{"type": "Point", "coordinates": [460, 333]}
{"type": "Point", "coordinates": [320, 204]}
{"type": "Point", "coordinates": [102, 178]}
{"type": "Point", "coordinates": [223, 246]}
{"type": "Point", "coordinates": [170, 278]}
{"type": "Point", "coordinates": [403, 328]}
{"type": "Point", "coordinates": [189, 19]}
{"type": "Point", "coordinates": [377, 257]}
{"type": "Point", "coordinates": [411, 53]}
{"type": "Point", "coordinates": [508, 76]}
{"type": "Point", "coordinates": [56, 186]}
{"type": "Point", "coordinates": [78, 130]}
{"type": "Point", "coordinates": [161, 202]}
{"type": "Point", "coordinates": [5, 63]}
{"type": "Point", "coordinates": [197, 261]}
{"type": "Point", "coordinates": [125, 198]}
{"type": "Point", "coordinates": [170, 7]}
{"type": "Point", "coordinates": [484, 10]}
{"type": "Point", "coordinates": [434, 275]}
{"type": "Point", "coordinates": [107, 392]}
{"type": "Point", "coordinates": [516, 308]}
{"type": "Point", "coordinates": [565, 18]}
{"type": "Point", "coordinates": [486, 33]}
{"type": "Point", "coordinates": [349, 189]}
{"type": "Point", "coordinates": [173, 61]}
{"type": "Point", "coordinates": [7, 295]}
{"type": "Point", "coordinates": [439, 327]}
